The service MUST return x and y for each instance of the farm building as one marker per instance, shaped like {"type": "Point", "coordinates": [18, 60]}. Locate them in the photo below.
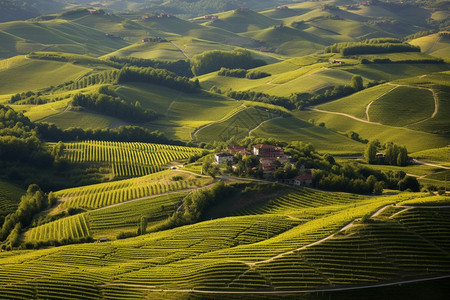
{"type": "Point", "coordinates": [223, 157]}
{"type": "Point", "coordinates": [238, 149]}
{"type": "Point", "coordinates": [303, 180]}
{"type": "Point", "coordinates": [268, 151]}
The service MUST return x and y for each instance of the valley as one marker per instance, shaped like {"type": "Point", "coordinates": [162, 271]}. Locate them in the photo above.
{"type": "Point", "coordinates": [272, 149]}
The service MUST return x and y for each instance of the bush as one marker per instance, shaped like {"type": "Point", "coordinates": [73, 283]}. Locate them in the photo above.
{"type": "Point", "coordinates": [257, 75]}
{"type": "Point", "coordinates": [239, 73]}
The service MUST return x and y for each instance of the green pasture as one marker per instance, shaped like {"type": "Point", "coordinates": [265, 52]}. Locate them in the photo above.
{"type": "Point", "coordinates": [402, 106]}
{"type": "Point", "coordinates": [23, 74]}
{"type": "Point", "coordinates": [237, 125]}
{"type": "Point", "coordinates": [35, 36]}
{"type": "Point", "coordinates": [242, 21]}
{"type": "Point", "coordinates": [293, 129]}
{"type": "Point", "coordinates": [356, 104]}
{"type": "Point", "coordinates": [413, 140]}
{"type": "Point", "coordinates": [441, 155]}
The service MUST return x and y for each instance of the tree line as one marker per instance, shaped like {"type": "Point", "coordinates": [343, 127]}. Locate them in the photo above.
{"type": "Point", "coordinates": [33, 202]}
{"type": "Point", "coordinates": [179, 67]}
{"type": "Point", "coordinates": [158, 76]}
{"type": "Point", "coordinates": [210, 61]}
{"type": "Point", "coordinates": [242, 73]}
{"type": "Point", "coordinates": [371, 46]}
{"type": "Point", "coordinates": [114, 106]}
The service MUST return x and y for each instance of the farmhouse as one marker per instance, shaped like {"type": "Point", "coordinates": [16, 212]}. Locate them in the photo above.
{"type": "Point", "coordinates": [337, 62]}
{"type": "Point", "coordinates": [303, 180]}
{"type": "Point", "coordinates": [268, 151]}
{"type": "Point", "coordinates": [238, 149]}
{"type": "Point", "coordinates": [211, 17]}
{"type": "Point", "coordinates": [223, 157]}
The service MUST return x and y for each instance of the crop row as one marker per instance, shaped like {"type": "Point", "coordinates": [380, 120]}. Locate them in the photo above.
{"type": "Point", "coordinates": [105, 194]}
{"type": "Point", "coordinates": [70, 228]}
{"type": "Point", "coordinates": [127, 159]}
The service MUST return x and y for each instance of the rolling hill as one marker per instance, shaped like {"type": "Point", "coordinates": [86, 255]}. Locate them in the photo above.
{"type": "Point", "coordinates": [101, 106]}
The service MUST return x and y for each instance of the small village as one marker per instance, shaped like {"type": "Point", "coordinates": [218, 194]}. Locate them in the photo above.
{"type": "Point", "coordinates": [270, 159]}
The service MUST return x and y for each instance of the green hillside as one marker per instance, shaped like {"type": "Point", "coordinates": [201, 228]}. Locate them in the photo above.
{"type": "Point", "coordinates": [242, 20]}
{"type": "Point", "coordinates": [224, 149]}
{"type": "Point", "coordinates": [35, 74]}
{"type": "Point", "coordinates": [244, 253]}
{"type": "Point", "coordinates": [57, 35]}
{"type": "Point", "coordinates": [437, 44]}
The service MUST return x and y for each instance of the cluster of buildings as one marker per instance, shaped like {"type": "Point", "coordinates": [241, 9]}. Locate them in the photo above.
{"type": "Point", "coordinates": [270, 158]}
{"type": "Point", "coordinates": [211, 17]}
{"type": "Point", "coordinates": [153, 39]}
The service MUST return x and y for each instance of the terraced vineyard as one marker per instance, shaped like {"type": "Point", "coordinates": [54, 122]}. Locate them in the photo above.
{"type": "Point", "coordinates": [265, 252]}
{"type": "Point", "coordinates": [239, 124]}
{"type": "Point", "coordinates": [106, 222]}
{"type": "Point", "coordinates": [127, 159]}
{"type": "Point", "coordinates": [70, 228]}
{"type": "Point", "coordinates": [9, 197]}
{"type": "Point", "coordinates": [110, 193]}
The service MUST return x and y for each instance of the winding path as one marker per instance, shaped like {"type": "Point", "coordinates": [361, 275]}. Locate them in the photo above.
{"type": "Point", "coordinates": [250, 132]}
{"type": "Point", "coordinates": [343, 114]}
{"type": "Point", "coordinates": [176, 46]}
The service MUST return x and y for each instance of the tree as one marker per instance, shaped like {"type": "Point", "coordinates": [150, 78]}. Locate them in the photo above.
{"type": "Point", "coordinates": [357, 83]}
{"type": "Point", "coordinates": [378, 188]}
{"type": "Point", "coordinates": [409, 183]}
{"type": "Point", "coordinates": [402, 157]}
{"type": "Point", "coordinates": [371, 152]}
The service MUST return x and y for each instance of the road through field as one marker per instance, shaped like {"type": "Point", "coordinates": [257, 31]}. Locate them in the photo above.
{"type": "Point", "coordinates": [343, 114]}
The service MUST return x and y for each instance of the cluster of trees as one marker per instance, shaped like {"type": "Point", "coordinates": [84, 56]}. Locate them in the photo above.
{"type": "Point", "coordinates": [403, 61]}
{"type": "Point", "coordinates": [242, 73]}
{"type": "Point", "coordinates": [114, 106]}
{"type": "Point", "coordinates": [372, 46]}
{"type": "Point", "coordinates": [121, 134]}
{"type": "Point", "coordinates": [179, 67]}
{"type": "Point", "coordinates": [354, 178]}
{"type": "Point", "coordinates": [210, 61]}
{"type": "Point", "coordinates": [194, 205]}
{"type": "Point", "coordinates": [157, 76]}
{"type": "Point", "coordinates": [19, 140]}
{"type": "Point", "coordinates": [301, 100]}
{"type": "Point", "coordinates": [33, 202]}
{"type": "Point", "coordinates": [105, 77]}
{"type": "Point", "coordinates": [393, 154]}
{"type": "Point", "coordinates": [262, 97]}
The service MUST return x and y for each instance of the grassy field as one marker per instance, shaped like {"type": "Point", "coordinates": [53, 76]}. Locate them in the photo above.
{"type": "Point", "coordinates": [35, 74]}
{"type": "Point", "coordinates": [237, 125]}
{"type": "Point", "coordinates": [402, 106]}
{"type": "Point", "coordinates": [127, 159]}
{"type": "Point", "coordinates": [293, 129]}
{"type": "Point", "coordinates": [356, 104]}
{"type": "Point", "coordinates": [433, 44]}
{"type": "Point", "coordinates": [413, 140]}
{"type": "Point", "coordinates": [183, 113]}
{"type": "Point", "coordinates": [57, 35]}
{"type": "Point", "coordinates": [441, 155]}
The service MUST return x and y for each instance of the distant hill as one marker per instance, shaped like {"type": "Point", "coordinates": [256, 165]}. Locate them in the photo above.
{"type": "Point", "coordinates": [13, 10]}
